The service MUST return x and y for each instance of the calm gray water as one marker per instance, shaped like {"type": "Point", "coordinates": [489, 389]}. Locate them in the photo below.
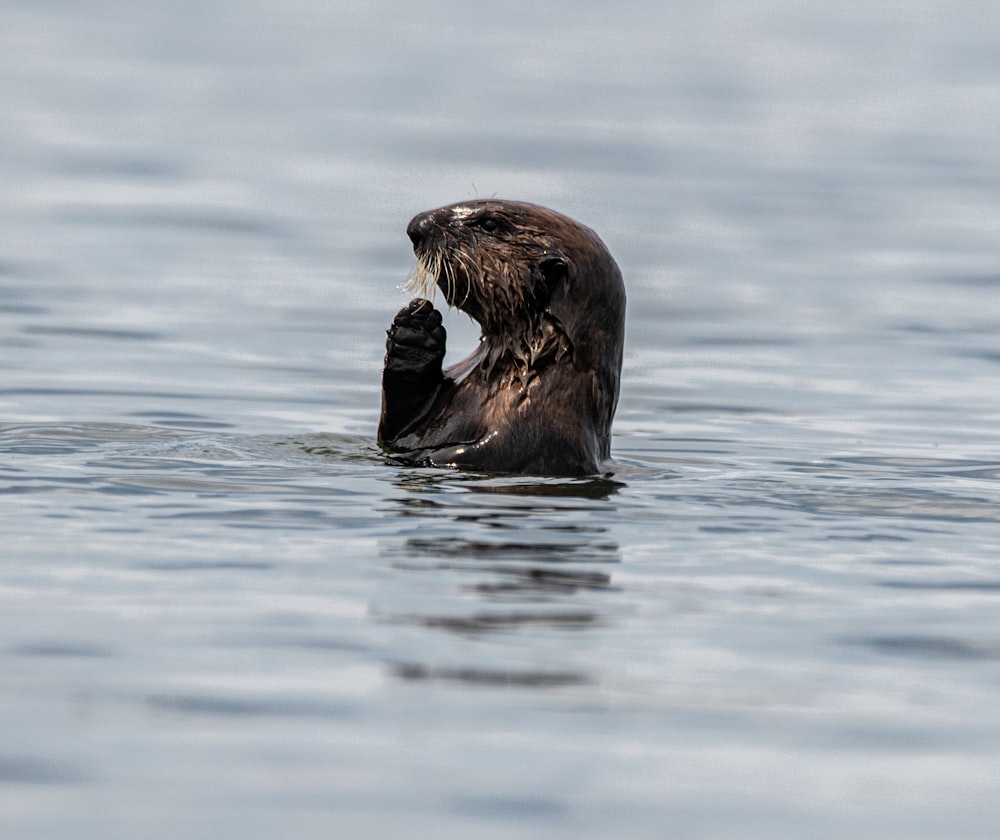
{"type": "Point", "coordinates": [221, 615]}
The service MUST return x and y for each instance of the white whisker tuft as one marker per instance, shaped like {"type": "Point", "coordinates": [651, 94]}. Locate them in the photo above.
{"type": "Point", "coordinates": [422, 280]}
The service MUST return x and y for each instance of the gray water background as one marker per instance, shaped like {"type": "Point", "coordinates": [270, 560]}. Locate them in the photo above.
{"type": "Point", "coordinates": [222, 615]}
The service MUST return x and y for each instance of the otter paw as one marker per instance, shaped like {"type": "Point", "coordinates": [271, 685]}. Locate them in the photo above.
{"type": "Point", "coordinates": [416, 339]}
{"type": "Point", "coordinates": [412, 377]}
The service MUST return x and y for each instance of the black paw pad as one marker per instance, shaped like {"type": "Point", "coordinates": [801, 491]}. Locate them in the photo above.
{"type": "Point", "coordinates": [418, 326]}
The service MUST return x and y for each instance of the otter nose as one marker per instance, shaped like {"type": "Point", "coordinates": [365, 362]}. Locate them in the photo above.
{"type": "Point", "coordinates": [419, 227]}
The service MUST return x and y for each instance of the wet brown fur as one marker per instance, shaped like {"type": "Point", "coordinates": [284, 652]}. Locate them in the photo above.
{"type": "Point", "coordinates": [539, 393]}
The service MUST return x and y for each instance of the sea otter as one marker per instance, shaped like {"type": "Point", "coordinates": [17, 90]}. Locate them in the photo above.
{"type": "Point", "coordinates": [538, 394]}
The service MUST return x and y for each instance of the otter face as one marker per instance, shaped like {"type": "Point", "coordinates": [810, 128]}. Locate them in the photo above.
{"type": "Point", "coordinates": [497, 261]}
{"type": "Point", "coordinates": [540, 285]}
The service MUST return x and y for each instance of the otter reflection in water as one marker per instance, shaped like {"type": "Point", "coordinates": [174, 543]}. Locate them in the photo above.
{"type": "Point", "coordinates": [539, 392]}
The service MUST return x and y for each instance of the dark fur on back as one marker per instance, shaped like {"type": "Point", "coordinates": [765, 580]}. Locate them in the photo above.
{"type": "Point", "coordinates": [539, 393]}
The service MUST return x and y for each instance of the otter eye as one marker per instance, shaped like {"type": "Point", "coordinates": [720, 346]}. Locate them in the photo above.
{"type": "Point", "coordinates": [489, 224]}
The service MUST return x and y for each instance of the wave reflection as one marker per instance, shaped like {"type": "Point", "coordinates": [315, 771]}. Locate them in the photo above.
{"type": "Point", "coordinates": [485, 560]}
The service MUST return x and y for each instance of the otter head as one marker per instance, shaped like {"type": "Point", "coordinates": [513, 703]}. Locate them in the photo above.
{"type": "Point", "coordinates": [541, 286]}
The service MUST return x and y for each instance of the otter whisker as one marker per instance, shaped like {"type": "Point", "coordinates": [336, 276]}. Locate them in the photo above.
{"type": "Point", "coordinates": [422, 279]}
{"type": "Point", "coordinates": [466, 270]}
{"type": "Point", "coordinates": [446, 279]}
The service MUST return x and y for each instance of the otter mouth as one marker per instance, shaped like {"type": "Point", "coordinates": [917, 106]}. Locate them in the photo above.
{"type": "Point", "coordinates": [430, 273]}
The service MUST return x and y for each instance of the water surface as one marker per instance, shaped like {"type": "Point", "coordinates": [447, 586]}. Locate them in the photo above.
{"type": "Point", "coordinates": [224, 614]}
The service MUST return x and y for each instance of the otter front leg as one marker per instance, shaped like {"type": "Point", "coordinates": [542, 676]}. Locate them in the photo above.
{"type": "Point", "coordinates": [412, 377]}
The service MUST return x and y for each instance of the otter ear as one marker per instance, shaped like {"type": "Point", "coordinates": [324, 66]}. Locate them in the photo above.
{"type": "Point", "coordinates": [555, 272]}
